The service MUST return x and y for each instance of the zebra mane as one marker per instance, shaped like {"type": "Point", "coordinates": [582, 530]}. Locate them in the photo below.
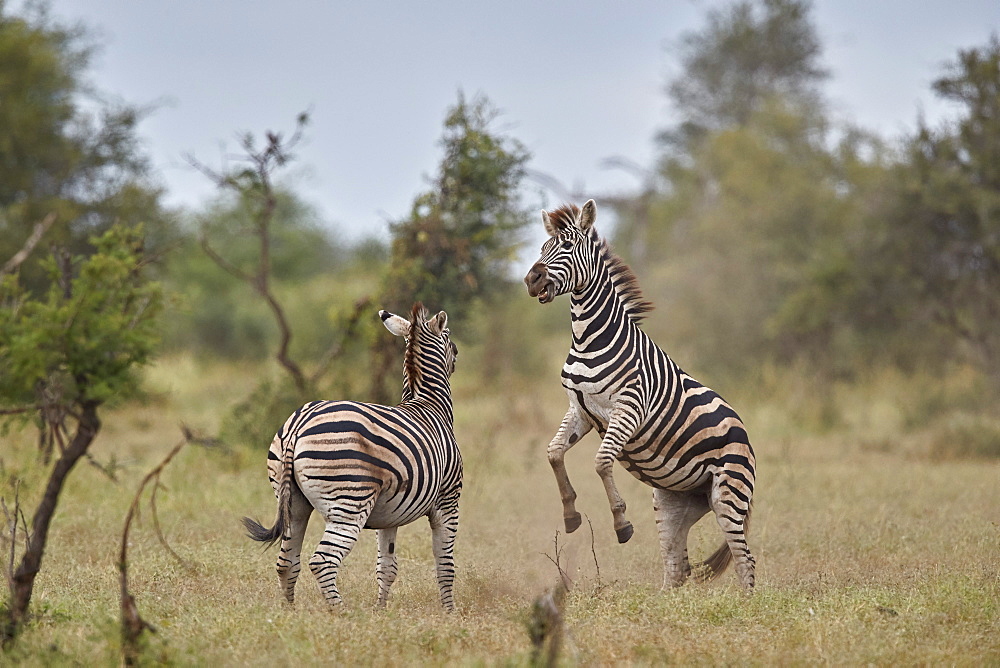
{"type": "Point", "coordinates": [411, 371]}
{"type": "Point", "coordinates": [625, 284]}
{"type": "Point", "coordinates": [564, 217]}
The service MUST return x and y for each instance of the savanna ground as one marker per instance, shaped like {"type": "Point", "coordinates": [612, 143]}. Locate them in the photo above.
{"type": "Point", "coordinates": [869, 551]}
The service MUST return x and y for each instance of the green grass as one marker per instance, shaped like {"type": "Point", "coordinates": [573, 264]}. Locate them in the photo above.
{"type": "Point", "coordinates": [866, 554]}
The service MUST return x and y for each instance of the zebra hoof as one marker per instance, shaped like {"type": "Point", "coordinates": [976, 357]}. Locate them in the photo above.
{"type": "Point", "coordinates": [573, 522]}
{"type": "Point", "coordinates": [624, 533]}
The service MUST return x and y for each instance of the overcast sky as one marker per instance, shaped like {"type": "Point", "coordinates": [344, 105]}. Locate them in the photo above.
{"type": "Point", "coordinates": [577, 81]}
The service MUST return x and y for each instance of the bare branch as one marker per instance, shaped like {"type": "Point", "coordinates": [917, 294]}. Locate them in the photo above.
{"type": "Point", "coordinates": [159, 531]}
{"type": "Point", "coordinates": [567, 582]}
{"type": "Point", "coordinates": [334, 351]}
{"type": "Point", "coordinates": [17, 411]}
{"type": "Point", "coordinates": [551, 183]}
{"type": "Point", "coordinates": [133, 625]}
{"type": "Point", "coordinates": [11, 518]}
{"type": "Point", "coordinates": [224, 264]}
{"type": "Point", "coordinates": [215, 177]}
{"type": "Point", "coordinates": [40, 229]}
{"type": "Point", "coordinates": [107, 469]}
{"type": "Point", "coordinates": [593, 550]}
{"type": "Point", "coordinates": [256, 182]}
{"type": "Point", "coordinates": [290, 365]}
{"type": "Point", "coordinates": [197, 439]}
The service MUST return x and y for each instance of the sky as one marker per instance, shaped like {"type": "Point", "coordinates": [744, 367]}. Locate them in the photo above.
{"type": "Point", "coordinates": [577, 82]}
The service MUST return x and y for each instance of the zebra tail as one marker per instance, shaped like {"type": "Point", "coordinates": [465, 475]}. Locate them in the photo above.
{"type": "Point", "coordinates": [257, 531]}
{"type": "Point", "coordinates": [714, 566]}
{"type": "Point", "coordinates": [261, 534]}
{"type": "Point", "coordinates": [710, 569]}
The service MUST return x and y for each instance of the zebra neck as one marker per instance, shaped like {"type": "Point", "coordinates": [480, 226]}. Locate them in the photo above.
{"type": "Point", "coordinates": [431, 396]}
{"type": "Point", "coordinates": [597, 313]}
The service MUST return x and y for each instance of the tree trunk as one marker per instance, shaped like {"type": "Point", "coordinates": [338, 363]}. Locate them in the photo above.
{"type": "Point", "coordinates": [31, 560]}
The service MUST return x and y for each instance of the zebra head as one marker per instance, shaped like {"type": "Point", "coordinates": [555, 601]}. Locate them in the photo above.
{"type": "Point", "coordinates": [571, 254]}
{"type": "Point", "coordinates": [428, 341]}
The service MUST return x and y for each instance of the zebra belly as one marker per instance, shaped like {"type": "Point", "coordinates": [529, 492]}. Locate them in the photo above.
{"type": "Point", "coordinates": [667, 475]}
{"type": "Point", "coordinates": [683, 451]}
{"type": "Point", "coordinates": [397, 510]}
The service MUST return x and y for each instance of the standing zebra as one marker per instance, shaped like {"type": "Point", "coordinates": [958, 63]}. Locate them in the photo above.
{"type": "Point", "coordinates": [365, 466]}
{"type": "Point", "coordinates": [667, 429]}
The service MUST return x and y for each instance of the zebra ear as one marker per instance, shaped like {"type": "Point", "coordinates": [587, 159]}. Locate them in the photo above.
{"type": "Point", "coordinates": [438, 322]}
{"type": "Point", "coordinates": [588, 214]}
{"type": "Point", "coordinates": [549, 226]}
{"type": "Point", "coordinates": [398, 326]}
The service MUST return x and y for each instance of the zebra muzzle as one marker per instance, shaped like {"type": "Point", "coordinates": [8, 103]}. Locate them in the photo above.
{"type": "Point", "coordinates": [539, 284]}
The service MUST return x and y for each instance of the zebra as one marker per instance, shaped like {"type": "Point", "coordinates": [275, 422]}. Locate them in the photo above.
{"type": "Point", "coordinates": [667, 429]}
{"type": "Point", "coordinates": [366, 466]}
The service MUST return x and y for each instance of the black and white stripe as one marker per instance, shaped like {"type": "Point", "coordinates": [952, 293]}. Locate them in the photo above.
{"type": "Point", "coordinates": [666, 428]}
{"type": "Point", "coordinates": [366, 466]}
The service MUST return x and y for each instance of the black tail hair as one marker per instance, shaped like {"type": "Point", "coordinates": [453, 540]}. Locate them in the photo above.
{"type": "Point", "coordinates": [719, 561]}
{"type": "Point", "coordinates": [259, 533]}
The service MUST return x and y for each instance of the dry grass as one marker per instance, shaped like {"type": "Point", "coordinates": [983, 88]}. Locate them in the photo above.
{"type": "Point", "coordinates": [864, 557]}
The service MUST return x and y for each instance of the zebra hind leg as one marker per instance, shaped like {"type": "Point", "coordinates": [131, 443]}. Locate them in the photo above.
{"type": "Point", "coordinates": [444, 529]}
{"type": "Point", "coordinates": [730, 500]}
{"type": "Point", "coordinates": [290, 556]}
{"type": "Point", "coordinates": [344, 521]}
{"type": "Point", "coordinates": [385, 571]}
{"type": "Point", "coordinates": [676, 513]}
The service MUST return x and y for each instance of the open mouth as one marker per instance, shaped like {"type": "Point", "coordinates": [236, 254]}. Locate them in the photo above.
{"type": "Point", "coordinates": [545, 295]}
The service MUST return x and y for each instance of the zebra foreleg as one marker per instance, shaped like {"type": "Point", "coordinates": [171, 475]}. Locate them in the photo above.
{"type": "Point", "coordinates": [344, 522]}
{"type": "Point", "coordinates": [570, 432]}
{"type": "Point", "coordinates": [621, 427]}
{"type": "Point", "coordinates": [386, 570]}
{"type": "Point", "coordinates": [676, 513]}
{"type": "Point", "coordinates": [444, 529]}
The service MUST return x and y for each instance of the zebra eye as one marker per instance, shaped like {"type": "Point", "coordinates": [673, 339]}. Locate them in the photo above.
{"type": "Point", "coordinates": [567, 245]}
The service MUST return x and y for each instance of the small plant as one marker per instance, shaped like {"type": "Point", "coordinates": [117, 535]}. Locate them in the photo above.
{"type": "Point", "coordinates": [63, 355]}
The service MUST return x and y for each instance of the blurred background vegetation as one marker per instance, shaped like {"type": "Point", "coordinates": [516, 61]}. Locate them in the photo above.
{"type": "Point", "coordinates": [796, 263]}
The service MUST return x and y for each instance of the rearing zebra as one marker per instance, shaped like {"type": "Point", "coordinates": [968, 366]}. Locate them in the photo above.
{"type": "Point", "coordinates": [667, 429]}
{"type": "Point", "coordinates": [372, 467]}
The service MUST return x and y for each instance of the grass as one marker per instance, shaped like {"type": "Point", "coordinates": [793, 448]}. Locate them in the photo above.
{"type": "Point", "coordinates": [866, 555]}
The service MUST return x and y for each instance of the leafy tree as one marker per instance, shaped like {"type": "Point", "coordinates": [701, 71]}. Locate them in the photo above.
{"type": "Point", "coordinates": [460, 236]}
{"type": "Point", "coordinates": [910, 263]}
{"type": "Point", "coordinates": [747, 193]}
{"type": "Point", "coordinates": [937, 233]}
{"type": "Point", "coordinates": [749, 53]}
{"type": "Point", "coordinates": [63, 150]}
{"type": "Point", "coordinates": [63, 355]}
{"type": "Point", "coordinates": [454, 249]}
